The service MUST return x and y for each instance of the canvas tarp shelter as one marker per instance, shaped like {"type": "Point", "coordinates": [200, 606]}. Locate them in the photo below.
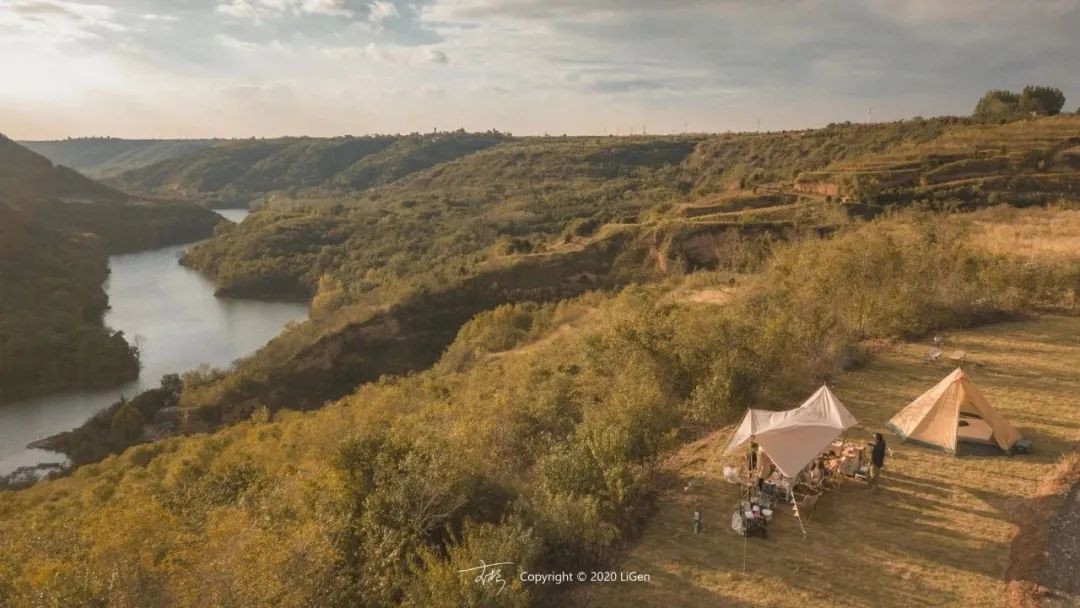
{"type": "Point", "coordinates": [793, 438]}
{"type": "Point", "coordinates": [935, 417]}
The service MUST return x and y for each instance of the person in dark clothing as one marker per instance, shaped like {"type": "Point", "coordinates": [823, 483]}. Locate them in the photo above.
{"type": "Point", "coordinates": [877, 459]}
{"type": "Point", "coordinates": [752, 466]}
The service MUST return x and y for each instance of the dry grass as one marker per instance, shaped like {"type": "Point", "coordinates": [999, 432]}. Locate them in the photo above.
{"type": "Point", "coordinates": [938, 532]}
{"type": "Point", "coordinates": [1030, 232]}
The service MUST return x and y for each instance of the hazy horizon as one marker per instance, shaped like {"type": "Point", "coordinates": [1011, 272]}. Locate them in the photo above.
{"type": "Point", "coordinates": [149, 69]}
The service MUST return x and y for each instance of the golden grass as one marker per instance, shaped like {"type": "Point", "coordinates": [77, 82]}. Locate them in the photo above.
{"type": "Point", "coordinates": [1029, 232]}
{"type": "Point", "coordinates": [938, 532]}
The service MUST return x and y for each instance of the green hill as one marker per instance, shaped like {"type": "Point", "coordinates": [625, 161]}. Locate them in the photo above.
{"type": "Point", "coordinates": [241, 171]}
{"type": "Point", "coordinates": [56, 229]}
{"type": "Point", "coordinates": [102, 157]}
{"type": "Point", "coordinates": [509, 339]}
{"type": "Point", "coordinates": [422, 253]}
{"type": "Point", "coordinates": [539, 438]}
{"type": "Point", "coordinates": [51, 307]}
{"type": "Point", "coordinates": [428, 241]}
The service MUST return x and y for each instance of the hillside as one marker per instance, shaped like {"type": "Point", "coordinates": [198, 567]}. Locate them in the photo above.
{"type": "Point", "coordinates": [539, 437]}
{"type": "Point", "coordinates": [29, 178]}
{"type": "Point", "coordinates": [943, 531]}
{"type": "Point", "coordinates": [657, 205]}
{"type": "Point", "coordinates": [101, 157]}
{"type": "Point", "coordinates": [241, 171]}
{"type": "Point", "coordinates": [51, 306]}
{"type": "Point", "coordinates": [505, 347]}
{"type": "Point", "coordinates": [57, 228]}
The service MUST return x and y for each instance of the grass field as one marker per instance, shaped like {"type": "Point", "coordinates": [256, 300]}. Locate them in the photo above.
{"type": "Point", "coordinates": [938, 532]}
{"type": "Point", "coordinates": [1049, 232]}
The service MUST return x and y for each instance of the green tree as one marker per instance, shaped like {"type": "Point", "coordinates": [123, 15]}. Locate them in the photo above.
{"type": "Point", "coordinates": [997, 103]}
{"type": "Point", "coordinates": [1041, 99]}
{"type": "Point", "coordinates": [126, 424]}
{"type": "Point", "coordinates": [171, 385]}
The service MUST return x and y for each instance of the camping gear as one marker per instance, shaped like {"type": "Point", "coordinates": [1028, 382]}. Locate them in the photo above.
{"type": "Point", "coordinates": [777, 488]}
{"type": "Point", "coordinates": [749, 519]}
{"type": "Point", "coordinates": [953, 411]}
{"type": "Point", "coordinates": [793, 438]}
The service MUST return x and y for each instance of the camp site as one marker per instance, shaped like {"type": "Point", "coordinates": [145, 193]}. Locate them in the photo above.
{"type": "Point", "coordinates": [971, 478]}
{"type": "Point", "coordinates": [539, 304]}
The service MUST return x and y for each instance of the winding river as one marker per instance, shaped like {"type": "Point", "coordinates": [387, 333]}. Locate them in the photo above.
{"type": "Point", "coordinates": [171, 313]}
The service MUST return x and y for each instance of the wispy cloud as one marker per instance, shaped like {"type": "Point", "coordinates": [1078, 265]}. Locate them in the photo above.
{"type": "Point", "coordinates": [523, 65]}
{"type": "Point", "coordinates": [260, 9]}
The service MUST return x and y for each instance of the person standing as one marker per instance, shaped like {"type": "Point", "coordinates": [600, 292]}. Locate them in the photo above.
{"type": "Point", "coordinates": [877, 459]}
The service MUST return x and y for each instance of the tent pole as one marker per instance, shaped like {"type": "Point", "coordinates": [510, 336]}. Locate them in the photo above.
{"type": "Point", "coordinates": [742, 515]}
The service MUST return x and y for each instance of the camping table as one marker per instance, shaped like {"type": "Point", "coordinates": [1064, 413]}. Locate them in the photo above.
{"type": "Point", "coordinates": [849, 460]}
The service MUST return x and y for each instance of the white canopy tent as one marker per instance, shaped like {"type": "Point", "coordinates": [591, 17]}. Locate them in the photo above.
{"type": "Point", "coordinates": [793, 438]}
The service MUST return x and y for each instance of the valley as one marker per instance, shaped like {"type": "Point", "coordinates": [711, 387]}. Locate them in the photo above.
{"type": "Point", "coordinates": [516, 343]}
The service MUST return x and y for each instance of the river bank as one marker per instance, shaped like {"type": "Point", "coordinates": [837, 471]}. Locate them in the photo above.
{"type": "Point", "coordinates": [168, 311]}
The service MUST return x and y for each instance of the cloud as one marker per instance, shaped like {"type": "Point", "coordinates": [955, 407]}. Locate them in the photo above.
{"type": "Point", "coordinates": [242, 9]}
{"type": "Point", "coordinates": [390, 53]}
{"type": "Point", "coordinates": [325, 7]}
{"type": "Point", "coordinates": [381, 11]}
{"type": "Point", "coordinates": [160, 17]}
{"type": "Point", "coordinates": [57, 21]}
{"type": "Point", "coordinates": [262, 9]}
{"type": "Point", "coordinates": [36, 9]}
{"type": "Point", "coordinates": [437, 56]}
{"type": "Point", "coordinates": [230, 42]}
{"type": "Point", "coordinates": [558, 65]}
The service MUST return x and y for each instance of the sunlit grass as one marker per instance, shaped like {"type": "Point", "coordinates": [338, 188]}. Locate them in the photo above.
{"type": "Point", "coordinates": [937, 534]}
{"type": "Point", "coordinates": [1030, 232]}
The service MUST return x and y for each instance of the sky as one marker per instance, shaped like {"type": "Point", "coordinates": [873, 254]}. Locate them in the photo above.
{"type": "Point", "coordinates": [243, 68]}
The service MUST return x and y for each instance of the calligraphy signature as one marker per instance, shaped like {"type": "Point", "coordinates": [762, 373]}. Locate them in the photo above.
{"type": "Point", "coordinates": [489, 574]}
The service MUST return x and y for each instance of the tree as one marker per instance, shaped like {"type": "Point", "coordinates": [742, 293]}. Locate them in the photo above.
{"type": "Point", "coordinates": [1041, 99]}
{"type": "Point", "coordinates": [126, 425]}
{"type": "Point", "coordinates": [997, 103]}
{"type": "Point", "coordinates": [172, 386]}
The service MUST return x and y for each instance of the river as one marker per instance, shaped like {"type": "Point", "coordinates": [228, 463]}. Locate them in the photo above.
{"type": "Point", "coordinates": [171, 313]}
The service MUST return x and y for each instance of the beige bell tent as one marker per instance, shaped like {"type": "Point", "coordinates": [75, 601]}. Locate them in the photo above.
{"type": "Point", "coordinates": [793, 438]}
{"type": "Point", "coordinates": [951, 412]}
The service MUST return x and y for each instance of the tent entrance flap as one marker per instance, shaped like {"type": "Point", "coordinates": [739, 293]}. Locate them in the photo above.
{"type": "Point", "coordinates": [793, 438]}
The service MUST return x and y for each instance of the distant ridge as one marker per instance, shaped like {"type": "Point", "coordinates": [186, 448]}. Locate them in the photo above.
{"type": "Point", "coordinates": [27, 177]}
{"type": "Point", "coordinates": [101, 157]}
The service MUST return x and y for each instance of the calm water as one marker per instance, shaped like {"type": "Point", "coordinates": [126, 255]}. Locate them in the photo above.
{"type": "Point", "coordinates": [172, 314]}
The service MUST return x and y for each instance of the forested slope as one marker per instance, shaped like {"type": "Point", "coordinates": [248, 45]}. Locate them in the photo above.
{"type": "Point", "coordinates": [51, 305]}
{"type": "Point", "coordinates": [101, 157]}
{"type": "Point", "coordinates": [526, 442]}
{"type": "Point", "coordinates": [238, 172]}
{"type": "Point", "coordinates": [411, 242]}
{"type": "Point", "coordinates": [56, 230]}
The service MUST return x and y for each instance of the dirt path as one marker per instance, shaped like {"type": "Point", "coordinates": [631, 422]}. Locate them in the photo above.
{"type": "Point", "coordinates": [1061, 575]}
